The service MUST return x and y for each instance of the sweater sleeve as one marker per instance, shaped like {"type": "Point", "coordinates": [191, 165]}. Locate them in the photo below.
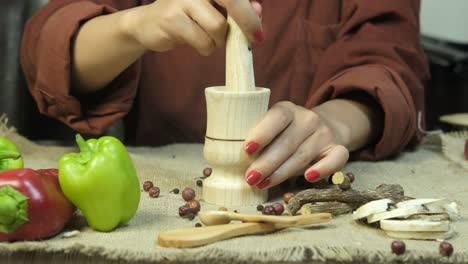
{"type": "Point", "coordinates": [377, 51]}
{"type": "Point", "coordinates": [46, 61]}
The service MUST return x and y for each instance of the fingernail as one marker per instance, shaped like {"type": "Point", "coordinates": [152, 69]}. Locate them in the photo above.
{"type": "Point", "coordinates": [251, 147]}
{"type": "Point", "coordinates": [312, 176]}
{"type": "Point", "coordinates": [264, 183]}
{"type": "Point", "coordinates": [253, 177]}
{"type": "Point", "coordinates": [259, 35]}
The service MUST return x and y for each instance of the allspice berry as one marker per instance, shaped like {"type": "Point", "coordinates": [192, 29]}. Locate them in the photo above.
{"type": "Point", "coordinates": [445, 249]}
{"type": "Point", "coordinates": [188, 194]}
{"type": "Point", "coordinates": [175, 191]}
{"type": "Point", "coordinates": [398, 247]}
{"type": "Point", "coordinates": [207, 171]}
{"type": "Point", "coordinates": [184, 210]}
{"type": "Point", "coordinates": [154, 192]}
{"type": "Point", "coordinates": [147, 185]}
{"type": "Point", "coordinates": [279, 208]}
{"type": "Point", "coordinates": [268, 210]}
{"type": "Point", "coordinates": [287, 197]}
{"type": "Point", "coordinates": [260, 207]}
{"type": "Point", "coordinates": [351, 176]}
{"type": "Point", "coordinates": [194, 205]}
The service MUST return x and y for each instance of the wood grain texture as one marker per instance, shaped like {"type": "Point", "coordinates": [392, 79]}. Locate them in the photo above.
{"type": "Point", "coordinates": [193, 237]}
{"type": "Point", "coordinates": [239, 63]}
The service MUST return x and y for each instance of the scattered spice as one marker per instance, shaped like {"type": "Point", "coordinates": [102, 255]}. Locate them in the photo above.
{"type": "Point", "coordinates": [194, 205]}
{"type": "Point", "coordinates": [398, 247]}
{"type": "Point", "coordinates": [154, 192]}
{"type": "Point", "coordinates": [198, 225]}
{"type": "Point", "coordinates": [445, 249]}
{"type": "Point", "coordinates": [184, 210]}
{"type": "Point", "coordinates": [235, 211]}
{"type": "Point", "coordinates": [207, 171]}
{"type": "Point", "coordinates": [188, 194]}
{"type": "Point", "coordinates": [175, 191]}
{"type": "Point", "coordinates": [287, 197]}
{"type": "Point", "coordinates": [147, 185]}
{"type": "Point", "coordinates": [351, 176]}
{"type": "Point", "coordinates": [191, 216]}
{"type": "Point", "coordinates": [260, 207]}
{"type": "Point", "coordinates": [268, 210]}
{"type": "Point", "coordinates": [278, 208]}
{"type": "Point", "coordinates": [199, 183]}
{"type": "Point", "coordinates": [222, 209]}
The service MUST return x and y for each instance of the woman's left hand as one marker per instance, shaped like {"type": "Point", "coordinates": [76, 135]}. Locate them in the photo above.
{"type": "Point", "coordinates": [289, 138]}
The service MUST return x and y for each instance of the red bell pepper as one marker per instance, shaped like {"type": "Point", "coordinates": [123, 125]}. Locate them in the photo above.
{"type": "Point", "coordinates": [32, 205]}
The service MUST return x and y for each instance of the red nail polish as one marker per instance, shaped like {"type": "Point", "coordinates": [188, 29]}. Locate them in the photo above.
{"type": "Point", "coordinates": [251, 147]}
{"type": "Point", "coordinates": [253, 177]}
{"type": "Point", "coordinates": [312, 176]}
{"type": "Point", "coordinates": [259, 36]}
{"type": "Point", "coordinates": [264, 183]}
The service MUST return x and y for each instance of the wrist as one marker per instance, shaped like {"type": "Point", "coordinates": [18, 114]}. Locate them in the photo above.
{"type": "Point", "coordinates": [340, 130]}
{"type": "Point", "coordinates": [128, 24]}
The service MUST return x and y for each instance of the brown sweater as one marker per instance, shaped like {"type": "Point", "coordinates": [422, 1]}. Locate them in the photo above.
{"type": "Point", "coordinates": [315, 50]}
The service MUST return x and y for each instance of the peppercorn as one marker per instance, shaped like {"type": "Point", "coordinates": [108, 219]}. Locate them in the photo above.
{"type": "Point", "coordinates": [268, 210]}
{"type": "Point", "coordinates": [287, 197]}
{"type": "Point", "coordinates": [259, 207]}
{"type": "Point", "coordinates": [222, 209]}
{"type": "Point", "coordinates": [198, 225]}
{"type": "Point", "coordinates": [175, 191]}
{"type": "Point", "coordinates": [279, 208]}
{"type": "Point", "coordinates": [398, 247]}
{"type": "Point", "coordinates": [207, 171]}
{"type": "Point", "coordinates": [445, 249]}
{"type": "Point", "coordinates": [194, 205]}
{"type": "Point", "coordinates": [188, 194]}
{"type": "Point", "coordinates": [147, 185]}
{"type": "Point", "coordinates": [351, 176]}
{"type": "Point", "coordinates": [235, 211]}
{"type": "Point", "coordinates": [190, 216]}
{"type": "Point", "coordinates": [184, 210]}
{"type": "Point", "coordinates": [154, 192]}
{"type": "Point", "coordinates": [199, 183]}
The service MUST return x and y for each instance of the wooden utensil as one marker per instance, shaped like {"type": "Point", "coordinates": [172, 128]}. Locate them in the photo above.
{"type": "Point", "coordinates": [222, 217]}
{"type": "Point", "coordinates": [198, 236]}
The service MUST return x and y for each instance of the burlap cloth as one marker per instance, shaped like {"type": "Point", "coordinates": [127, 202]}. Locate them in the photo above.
{"type": "Point", "coordinates": [425, 172]}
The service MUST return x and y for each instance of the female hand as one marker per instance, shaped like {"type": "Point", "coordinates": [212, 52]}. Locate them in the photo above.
{"type": "Point", "coordinates": [289, 138]}
{"type": "Point", "coordinates": [166, 23]}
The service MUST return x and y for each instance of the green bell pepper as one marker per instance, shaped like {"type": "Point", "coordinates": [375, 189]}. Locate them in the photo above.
{"type": "Point", "coordinates": [101, 181]}
{"type": "Point", "coordinates": [10, 158]}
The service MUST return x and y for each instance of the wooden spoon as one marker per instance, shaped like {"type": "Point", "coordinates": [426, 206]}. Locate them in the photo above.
{"type": "Point", "coordinates": [222, 217]}
{"type": "Point", "coordinates": [198, 236]}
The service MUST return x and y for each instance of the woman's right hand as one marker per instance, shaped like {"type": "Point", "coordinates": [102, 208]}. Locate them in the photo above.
{"type": "Point", "coordinates": [164, 24]}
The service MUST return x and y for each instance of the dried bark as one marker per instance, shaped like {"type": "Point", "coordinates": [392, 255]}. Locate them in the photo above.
{"type": "Point", "coordinates": [351, 196]}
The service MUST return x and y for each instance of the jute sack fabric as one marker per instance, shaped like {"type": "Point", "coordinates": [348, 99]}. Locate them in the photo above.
{"type": "Point", "coordinates": [425, 172]}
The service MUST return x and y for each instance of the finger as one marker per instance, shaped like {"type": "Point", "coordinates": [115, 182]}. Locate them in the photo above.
{"type": "Point", "coordinates": [334, 159]}
{"type": "Point", "coordinates": [192, 34]}
{"type": "Point", "coordinates": [272, 124]}
{"type": "Point", "coordinates": [257, 8]}
{"type": "Point", "coordinates": [283, 147]}
{"type": "Point", "coordinates": [244, 14]}
{"type": "Point", "coordinates": [303, 156]}
{"type": "Point", "coordinates": [209, 19]}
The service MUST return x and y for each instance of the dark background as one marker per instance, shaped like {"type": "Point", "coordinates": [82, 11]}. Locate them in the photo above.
{"type": "Point", "coordinates": [447, 92]}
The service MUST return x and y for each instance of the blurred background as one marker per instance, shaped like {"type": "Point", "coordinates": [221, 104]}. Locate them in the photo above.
{"type": "Point", "coordinates": [444, 38]}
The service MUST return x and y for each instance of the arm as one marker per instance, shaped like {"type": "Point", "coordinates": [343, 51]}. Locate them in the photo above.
{"type": "Point", "coordinates": [106, 45]}
{"type": "Point", "coordinates": [377, 53]}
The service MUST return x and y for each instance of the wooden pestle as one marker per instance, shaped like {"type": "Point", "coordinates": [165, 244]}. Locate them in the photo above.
{"type": "Point", "coordinates": [239, 62]}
